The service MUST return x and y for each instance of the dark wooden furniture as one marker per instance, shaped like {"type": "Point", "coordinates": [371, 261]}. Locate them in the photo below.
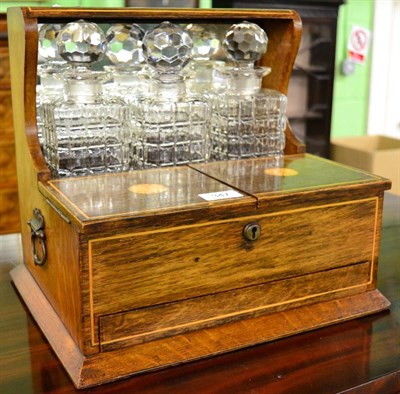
{"type": "Point", "coordinates": [9, 211]}
{"type": "Point", "coordinates": [311, 85]}
{"type": "Point", "coordinates": [358, 356]}
{"type": "Point", "coordinates": [132, 272]}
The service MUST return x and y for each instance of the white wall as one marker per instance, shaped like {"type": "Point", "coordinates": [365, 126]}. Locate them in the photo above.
{"type": "Point", "coordinates": [384, 99]}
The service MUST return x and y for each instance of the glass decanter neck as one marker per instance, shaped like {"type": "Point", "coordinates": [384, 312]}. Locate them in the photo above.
{"type": "Point", "coordinates": [169, 86]}
{"type": "Point", "coordinates": [246, 80]}
{"type": "Point", "coordinates": [83, 91]}
{"type": "Point", "coordinates": [123, 79]}
{"type": "Point", "coordinates": [83, 85]}
{"type": "Point", "coordinates": [127, 77]}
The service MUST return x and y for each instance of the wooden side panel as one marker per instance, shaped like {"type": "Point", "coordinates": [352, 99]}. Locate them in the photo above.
{"type": "Point", "coordinates": [152, 323]}
{"type": "Point", "coordinates": [9, 210]}
{"type": "Point", "coordinates": [59, 277]}
{"type": "Point", "coordinates": [153, 267]}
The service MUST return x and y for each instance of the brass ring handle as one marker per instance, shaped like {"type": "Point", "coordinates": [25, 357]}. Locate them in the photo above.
{"type": "Point", "coordinates": [38, 236]}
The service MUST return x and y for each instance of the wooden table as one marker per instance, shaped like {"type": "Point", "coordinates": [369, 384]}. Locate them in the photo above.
{"type": "Point", "coordinates": [359, 356]}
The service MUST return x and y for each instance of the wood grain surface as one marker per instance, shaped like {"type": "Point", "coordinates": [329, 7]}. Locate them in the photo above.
{"type": "Point", "coordinates": [9, 208]}
{"type": "Point", "coordinates": [151, 255]}
{"type": "Point", "coordinates": [147, 324]}
{"type": "Point", "coordinates": [148, 268]}
{"type": "Point", "coordinates": [359, 356]}
{"type": "Point", "coordinates": [104, 367]}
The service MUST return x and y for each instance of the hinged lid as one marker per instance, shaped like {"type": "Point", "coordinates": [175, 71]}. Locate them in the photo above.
{"type": "Point", "coordinates": [140, 194]}
{"type": "Point", "coordinates": [205, 189]}
{"type": "Point", "coordinates": [270, 178]}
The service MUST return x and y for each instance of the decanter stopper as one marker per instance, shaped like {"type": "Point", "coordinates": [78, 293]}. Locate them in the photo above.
{"type": "Point", "coordinates": [47, 41]}
{"type": "Point", "coordinates": [130, 79]}
{"type": "Point", "coordinates": [81, 43]}
{"type": "Point", "coordinates": [201, 72]}
{"type": "Point", "coordinates": [167, 48]}
{"type": "Point", "coordinates": [125, 44]}
{"type": "Point", "coordinates": [245, 43]}
{"type": "Point", "coordinates": [205, 41]}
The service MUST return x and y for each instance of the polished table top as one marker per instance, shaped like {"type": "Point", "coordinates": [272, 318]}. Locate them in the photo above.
{"type": "Point", "coordinates": [359, 356]}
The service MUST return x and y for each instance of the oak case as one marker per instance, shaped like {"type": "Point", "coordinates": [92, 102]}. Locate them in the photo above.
{"type": "Point", "coordinates": [138, 281]}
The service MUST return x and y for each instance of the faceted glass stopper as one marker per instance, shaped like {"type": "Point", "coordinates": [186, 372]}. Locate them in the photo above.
{"type": "Point", "coordinates": [125, 43]}
{"type": "Point", "coordinates": [47, 41]}
{"type": "Point", "coordinates": [167, 48]}
{"type": "Point", "coordinates": [245, 42]}
{"type": "Point", "coordinates": [205, 40]}
{"type": "Point", "coordinates": [81, 42]}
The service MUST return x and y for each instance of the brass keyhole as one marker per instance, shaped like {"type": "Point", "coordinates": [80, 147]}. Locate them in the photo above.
{"type": "Point", "coordinates": [251, 231]}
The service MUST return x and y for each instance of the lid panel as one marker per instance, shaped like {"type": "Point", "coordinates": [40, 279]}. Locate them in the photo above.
{"type": "Point", "coordinates": [140, 193]}
{"type": "Point", "coordinates": [296, 173]}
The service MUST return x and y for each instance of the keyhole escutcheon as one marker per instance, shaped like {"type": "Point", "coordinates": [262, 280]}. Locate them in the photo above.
{"type": "Point", "coordinates": [251, 231]}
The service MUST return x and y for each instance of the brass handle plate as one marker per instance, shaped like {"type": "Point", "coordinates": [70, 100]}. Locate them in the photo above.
{"type": "Point", "coordinates": [38, 238]}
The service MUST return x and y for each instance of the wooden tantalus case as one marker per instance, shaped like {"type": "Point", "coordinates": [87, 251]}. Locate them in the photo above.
{"type": "Point", "coordinates": [132, 272]}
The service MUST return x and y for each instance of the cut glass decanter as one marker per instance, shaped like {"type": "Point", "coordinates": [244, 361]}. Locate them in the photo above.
{"type": "Point", "coordinates": [172, 125]}
{"type": "Point", "coordinates": [247, 121]}
{"type": "Point", "coordinates": [87, 132]}
{"type": "Point", "coordinates": [49, 86]}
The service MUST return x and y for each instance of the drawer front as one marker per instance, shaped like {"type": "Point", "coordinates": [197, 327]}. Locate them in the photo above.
{"type": "Point", "coordinates": [157, 267]}
{"type": "Point", "coordinates": [147, 324]}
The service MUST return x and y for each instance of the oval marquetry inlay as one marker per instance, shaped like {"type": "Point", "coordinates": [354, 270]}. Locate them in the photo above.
{"type": "Point", "coordinates": [148, 188]}
{"type": "Point", "coordinates": [281, 172]}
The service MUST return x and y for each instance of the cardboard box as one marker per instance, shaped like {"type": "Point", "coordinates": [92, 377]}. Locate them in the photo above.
{"type": "Point", "coordinates": [376, 154]}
